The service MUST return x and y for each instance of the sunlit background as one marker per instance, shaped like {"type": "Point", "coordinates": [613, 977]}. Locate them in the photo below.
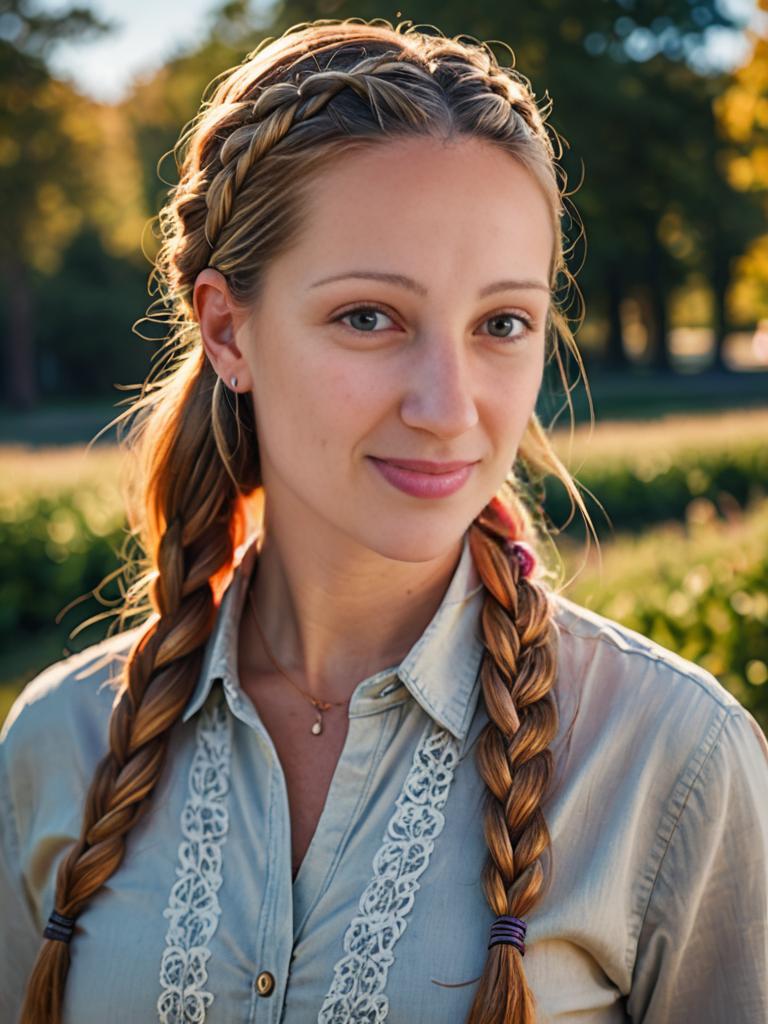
{"type": "Point", "coordinates": [664, 109]}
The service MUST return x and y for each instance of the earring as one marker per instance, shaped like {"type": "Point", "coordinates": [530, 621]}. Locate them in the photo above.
{"type": "Point", "coordinates": [233, 382]}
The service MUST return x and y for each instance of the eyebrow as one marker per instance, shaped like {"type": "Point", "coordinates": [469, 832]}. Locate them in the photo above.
{"type": "Point", "coordinates": [414, 286]}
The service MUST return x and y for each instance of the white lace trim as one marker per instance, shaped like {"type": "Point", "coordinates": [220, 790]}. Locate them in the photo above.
{"type": "Point", "coordinates": [360, 976]}
{"type": "Point", "coordinates": [193, 906]}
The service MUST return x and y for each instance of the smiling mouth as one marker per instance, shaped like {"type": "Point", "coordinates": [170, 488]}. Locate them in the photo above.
{"type": "Point", "coordinates": [426, 465]}
{"type": "Point", "coordinates": [419, 483]}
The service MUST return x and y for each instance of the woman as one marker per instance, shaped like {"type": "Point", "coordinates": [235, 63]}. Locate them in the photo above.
{"type": "Point", "coordinates": [364, 763]}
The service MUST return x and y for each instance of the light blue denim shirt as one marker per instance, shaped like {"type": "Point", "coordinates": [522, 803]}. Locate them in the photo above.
{"type": "Point", "coordinates": [657, 908]}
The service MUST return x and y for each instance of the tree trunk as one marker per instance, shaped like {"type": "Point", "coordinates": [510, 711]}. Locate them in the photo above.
{"type": "Point", "coordinates": [615, 353]}
{"type": "Point", "coordinates": [720, 281]}
{"type": "Point", "coordinates": [20, 373]}
{"type": "Point", "coordinates": [658, 328]}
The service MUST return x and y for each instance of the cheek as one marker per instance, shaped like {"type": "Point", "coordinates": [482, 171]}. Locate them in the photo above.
{"type": "Point", "coordinates": [513, 402]}
{"type": "Point", "coordinates": [339, 401]}
{"type": "Point", "coordinates": [310, 408]}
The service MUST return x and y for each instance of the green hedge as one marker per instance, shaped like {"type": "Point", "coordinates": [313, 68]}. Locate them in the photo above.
{"type": "Point", "coordinates": [51, 552]}
{"type": "Point", "coordinates": [650, 483]}
{"type": "Point", "coordinates": [61, 528]}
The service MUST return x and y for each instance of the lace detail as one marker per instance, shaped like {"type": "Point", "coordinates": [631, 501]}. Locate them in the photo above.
{"type": "Point", "coordinates": [193, 906]}
{"type": "Point", "coordinates": [360, 976]}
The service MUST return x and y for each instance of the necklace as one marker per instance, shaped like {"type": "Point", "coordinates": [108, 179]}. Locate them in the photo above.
{"type": "Point", "coordinates": [320, 705]}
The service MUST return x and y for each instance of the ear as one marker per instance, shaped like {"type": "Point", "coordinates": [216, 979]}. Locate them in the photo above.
{"type": "Point", "coordinates": [219, 318]}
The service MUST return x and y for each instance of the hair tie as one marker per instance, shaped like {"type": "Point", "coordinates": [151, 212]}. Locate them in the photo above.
{"type": "Point", "coordinates": [517, 549]}
{"type": "Point", "coordinates": [59, 927]}
{"type": "Point", "coordinates": [510, 930]}
{"type": "Point", "coordinates": [524, 554]}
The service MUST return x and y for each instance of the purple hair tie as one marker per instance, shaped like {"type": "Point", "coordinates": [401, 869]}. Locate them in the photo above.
{"type": "Point", "coordinates": [509, 929]}
{"type": "Point", "coordinates": [59, 927]}
{"type": "Point", "coordinates": [523, 553]}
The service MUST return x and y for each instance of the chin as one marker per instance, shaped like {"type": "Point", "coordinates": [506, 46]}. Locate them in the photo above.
{"type": "Point", "coordinates": [419, 543]}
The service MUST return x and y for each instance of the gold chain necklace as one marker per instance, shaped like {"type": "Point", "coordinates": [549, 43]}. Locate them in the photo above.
{"type": "Point", "coordinates": [320, 705]}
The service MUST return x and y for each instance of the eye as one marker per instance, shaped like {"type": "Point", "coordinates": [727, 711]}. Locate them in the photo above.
{"type": "Point", "coordinates": [505, 317]}
{"type": "Point", "coordinates": [369, 314]}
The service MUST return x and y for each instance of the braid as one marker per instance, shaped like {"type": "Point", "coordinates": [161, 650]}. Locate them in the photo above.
{"type": "Point", "coordinates": [270, 118]}
{"type": "Point", "coordinates": [196, 504]}
{"type": "Point", "coordinates": [517, 675]}
{"type": "Point", "coordinates": [207, 194]}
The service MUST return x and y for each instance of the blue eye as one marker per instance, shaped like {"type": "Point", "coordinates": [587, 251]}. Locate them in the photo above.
{"type": "Point", "coordinates": [362, 309]}
{"type": "Point", "coordinates": [524, 320]}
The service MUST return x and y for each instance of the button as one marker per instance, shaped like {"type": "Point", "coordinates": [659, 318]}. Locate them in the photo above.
{"type": "Point", "coordinates": [265, 983]}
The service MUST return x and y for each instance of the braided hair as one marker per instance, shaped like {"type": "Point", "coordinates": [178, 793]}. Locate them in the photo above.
{"type": "Point", "coordinates": [246, 160]}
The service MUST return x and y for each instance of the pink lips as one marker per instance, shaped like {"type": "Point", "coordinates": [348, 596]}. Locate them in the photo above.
{"type": "Point", "coordinates": [424, 479]}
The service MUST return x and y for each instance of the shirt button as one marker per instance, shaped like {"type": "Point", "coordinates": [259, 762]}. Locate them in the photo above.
{"type": "Point", "coordinates": [265, 983]}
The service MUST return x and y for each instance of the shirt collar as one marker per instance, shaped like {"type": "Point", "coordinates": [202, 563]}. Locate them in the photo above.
{"type": "Point", "coordinates": [440, 670]}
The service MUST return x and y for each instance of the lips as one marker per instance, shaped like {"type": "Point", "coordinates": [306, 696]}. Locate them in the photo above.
{"type": "Point", "coordinates": [427, 466]}
{"type": "Point", "coordinates": [434, 481]}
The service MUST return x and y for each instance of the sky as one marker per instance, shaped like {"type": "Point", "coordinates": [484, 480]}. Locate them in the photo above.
{"type": "Point", "coordinates": [149, 31]}
{"type": "Point", "coordinates": [146, 33]}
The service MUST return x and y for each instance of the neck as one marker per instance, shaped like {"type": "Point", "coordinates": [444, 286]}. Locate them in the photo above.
{"type": "Point", "coordinates": [334, 615]}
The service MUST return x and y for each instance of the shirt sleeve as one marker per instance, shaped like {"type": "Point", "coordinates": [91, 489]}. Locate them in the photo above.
{"type": "Point", "coordinates": [19, 937]}
{"type": "Point", "coordinates": [702, 952]}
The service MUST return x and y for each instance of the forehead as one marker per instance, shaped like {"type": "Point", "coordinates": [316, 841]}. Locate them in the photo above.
{"type": "Point", "coordinates": [428, 202]}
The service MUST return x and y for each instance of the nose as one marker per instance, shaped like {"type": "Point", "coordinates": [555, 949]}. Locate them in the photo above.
{"type": "Point", "coordinates": [440, 397]}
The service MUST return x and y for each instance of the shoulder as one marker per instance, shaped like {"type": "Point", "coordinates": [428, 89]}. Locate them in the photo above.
{"type": "Point", "coordinates": [658, 744]}
{"type": "Point", "coordinates": [56, 732]}
{"type": "Point", "coordinates": [618, 661]}
{"type": "Point", "coordinates": [660, 714]}
{"type": "Point", "coordinates": [65, 706]}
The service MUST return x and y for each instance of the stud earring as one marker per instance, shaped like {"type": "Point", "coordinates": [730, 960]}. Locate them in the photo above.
{"type": "Point", "coordinates": [233, 382]}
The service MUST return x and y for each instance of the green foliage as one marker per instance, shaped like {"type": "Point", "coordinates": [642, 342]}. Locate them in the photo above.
{"type": "Point", "coordinates": [37, 151]}
{"type": "Point", "coordinates": [51, 551]}
{"type": "Point", "coordinates": [644, 473]}
{"type": "Point", "coordinates": [698, 588]}
{"type": "Point", "coordinates": [84, 321]}
{"type": "Point", "coordinates": [61, 528]}
{"type": "Point", "coordinates": [639, 489]}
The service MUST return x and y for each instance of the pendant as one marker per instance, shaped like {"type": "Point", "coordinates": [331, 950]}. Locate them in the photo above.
{"type": "Point", "coordinates": [317, 728]}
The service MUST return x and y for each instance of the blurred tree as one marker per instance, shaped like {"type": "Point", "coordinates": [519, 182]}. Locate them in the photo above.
{"type": "Point", "coordinates": [41, 188]}
{"type": "Point", "coordinates": [742, 115]}
{"type": "Point", "coordinates": [161, 103]}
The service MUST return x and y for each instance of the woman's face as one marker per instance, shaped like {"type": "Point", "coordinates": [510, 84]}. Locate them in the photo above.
{"type": "Point", "coordinates": [384, 334]}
